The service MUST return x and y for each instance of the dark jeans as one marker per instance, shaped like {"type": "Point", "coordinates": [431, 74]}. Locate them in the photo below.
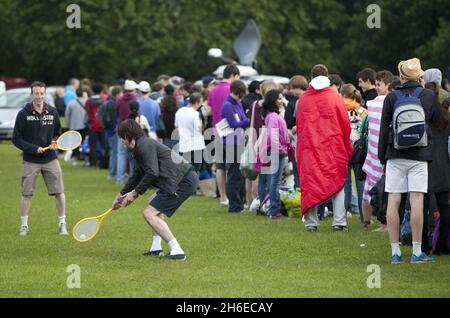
{"type": "Point", "coordinates": [444, 226]}
{"type": "Point", "coordinates": [76, 152]}
{"type": "Point", "coordinates": [348, 189]}
{"type": "Point", "coordinates": [296, 176]}
{"type": "Point", "coordinates": [93, 154]}
{"type": "Point", "coordinates": [235, 181]}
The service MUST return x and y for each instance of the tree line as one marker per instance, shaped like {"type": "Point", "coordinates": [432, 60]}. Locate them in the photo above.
{"type": "Point", "coordinates": [142, 39]}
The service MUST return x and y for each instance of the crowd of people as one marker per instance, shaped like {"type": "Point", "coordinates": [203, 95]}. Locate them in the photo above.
{"type": "Point", "coordinates": [339, 142]}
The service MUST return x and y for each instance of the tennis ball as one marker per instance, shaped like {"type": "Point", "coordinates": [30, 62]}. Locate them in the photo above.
{"type": "Point", "coordinates": [82, 236]}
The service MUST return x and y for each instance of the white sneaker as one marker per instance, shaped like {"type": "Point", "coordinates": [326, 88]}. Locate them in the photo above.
{"type": "Point", "coordinates": [224, 204]}
{"type": "Point", "coordinates": [349, 215]}
{"type": "Point", "coordinates": [255, 205]}
{"type": "Point", "coordinates": [23, 230]}
{"type": "Point", "coordinates": [63, 229]}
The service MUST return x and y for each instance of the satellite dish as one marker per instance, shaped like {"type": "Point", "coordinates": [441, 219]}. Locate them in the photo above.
{"type": "Point", "coordinates": [247, 44]}
{"type": "Point", "coordinates": [214, 52]}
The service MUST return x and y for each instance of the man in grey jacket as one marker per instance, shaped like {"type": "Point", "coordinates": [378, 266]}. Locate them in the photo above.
{"type": "Point", "coordinates": [156, 166]}
{"type": "Point", "coordinates": [76, 118]}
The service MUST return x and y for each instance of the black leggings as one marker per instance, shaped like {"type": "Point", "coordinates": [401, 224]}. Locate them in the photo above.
{"type": "Point", "coordinates": [444, 226]}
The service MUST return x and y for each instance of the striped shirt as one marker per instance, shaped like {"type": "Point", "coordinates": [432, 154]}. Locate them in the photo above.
{"type": "Point", "coordinates": [372, 166]}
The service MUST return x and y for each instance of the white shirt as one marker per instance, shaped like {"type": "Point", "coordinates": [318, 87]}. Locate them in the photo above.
{"type": "Point", "coordinates": [187, 120]}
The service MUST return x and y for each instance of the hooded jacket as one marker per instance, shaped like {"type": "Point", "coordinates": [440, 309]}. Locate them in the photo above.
{"type": "Point", "coordinates": [323, 143]}
{"type": "Point", "coordinates": [33, 130]}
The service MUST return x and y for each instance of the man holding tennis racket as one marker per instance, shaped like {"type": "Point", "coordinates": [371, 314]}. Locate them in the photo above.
{"type": "Point", "coordinates": [156, 166]}
{"type": "Point", "coordinates": [37, 126]}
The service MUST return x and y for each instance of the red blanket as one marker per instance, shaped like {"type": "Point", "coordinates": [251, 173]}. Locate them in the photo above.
{"type": "Point", "coordinates": [323, 145]}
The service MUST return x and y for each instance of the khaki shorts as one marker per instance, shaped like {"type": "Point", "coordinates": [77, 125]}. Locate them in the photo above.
{"type": "Point", "coordinates": [51, 172]}
{"type": "Point", "coordinates": [404, 176]}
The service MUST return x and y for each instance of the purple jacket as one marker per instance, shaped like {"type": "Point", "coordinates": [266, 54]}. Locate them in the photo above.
{"type": "Point", "coordinates": [216, 99]}
{"type": "Point", "coordinates": [233, 111]}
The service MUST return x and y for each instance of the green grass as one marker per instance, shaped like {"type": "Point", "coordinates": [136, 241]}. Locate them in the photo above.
{"type": "Point", "coordinates": [228, 255]}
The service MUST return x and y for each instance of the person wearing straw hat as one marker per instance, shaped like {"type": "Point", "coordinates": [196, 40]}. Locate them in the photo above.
{"type": "Point", "coordinates": [406, 167]}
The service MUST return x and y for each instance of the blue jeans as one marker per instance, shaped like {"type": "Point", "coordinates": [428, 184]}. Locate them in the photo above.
{"type": "Point", "coordinates": [122, 158]}
{"type": "Point", "coordinates": [273, 180]}
{"type": "Point", "coordinates": [263, 186]}
{"type": "Point", "coordinates": [112, 143]}
{"type": "Point", "coordinates": [348, 188]}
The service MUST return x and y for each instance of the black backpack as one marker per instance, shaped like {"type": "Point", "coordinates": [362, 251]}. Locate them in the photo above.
{"type": "Point", "coordinates": [108, 114]}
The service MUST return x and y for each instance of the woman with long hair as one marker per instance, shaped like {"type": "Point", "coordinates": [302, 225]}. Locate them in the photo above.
{"type": "Point", "coordinates": [275, 147]}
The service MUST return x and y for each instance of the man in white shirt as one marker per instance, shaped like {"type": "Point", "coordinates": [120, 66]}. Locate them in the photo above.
{"type": "Point", "coordinates": [192, 143]}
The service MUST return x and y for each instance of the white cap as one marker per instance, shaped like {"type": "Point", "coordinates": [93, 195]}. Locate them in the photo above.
{"type": "Point", "coordinates": [144, 87]}
{"type": "Point", "coordinates": [130, 85]}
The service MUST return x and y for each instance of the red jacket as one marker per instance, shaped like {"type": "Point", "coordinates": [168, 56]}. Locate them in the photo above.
{"type": "Point", "coordinates": [323, 145]}
{"type": "Point", "coordinates": [92, 105]}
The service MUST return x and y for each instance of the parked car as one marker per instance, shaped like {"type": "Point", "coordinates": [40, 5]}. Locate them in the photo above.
{"type": "Point", "coordinates": [12, 101]}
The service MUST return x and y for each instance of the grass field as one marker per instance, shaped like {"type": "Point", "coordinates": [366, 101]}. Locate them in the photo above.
{"type": "Point", "coordinates": [228, 255]}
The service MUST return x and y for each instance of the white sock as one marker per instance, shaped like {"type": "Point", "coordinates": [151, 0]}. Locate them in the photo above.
{"type": "Point", "coordinates": [417, 248]}
{"type": "Point", "coordinates": [156, 245]}
{"type": "Point", "coordinates": [396, 249]}
{"type": "Point", "coordinates": [175, 248]}
{"type": "Point", "coordinates": [24, 220]}
{"type": "Point", "coordinates": [62, 219]}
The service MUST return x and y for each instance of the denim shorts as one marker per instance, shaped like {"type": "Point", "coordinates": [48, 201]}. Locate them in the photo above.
{"type": "Point", "coordinates": [169, 203]}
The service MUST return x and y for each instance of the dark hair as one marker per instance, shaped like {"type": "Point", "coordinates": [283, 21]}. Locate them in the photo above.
{"type": "Point", "coordinates": [187, 86]}
{"type": "Point", "coordinates": [116, 90]}
{"type": "Point", "coordinates": [433, 87]}
{"type": "Point", "coordinates": [195, 89]}
{"type": "Point", "coordinates": [385, 76]}
{"type": "Point", "coordinates": [270, 102]}
{"type": "Point", "coordinates": [97, 88]}
{"type": "Point", "coordinates": [195, 98]}
{"type": "Point", "coordinates": [441, 124]}
{"type": "Point", "coordinates": [335, 79]}
{"type": "Point", "coordinates": [238, 88]}
{"type": "Point", "coordinates": [396, 82]}
{"type": "Point", "coordinates": [350, 91]}
{"type": "Point", "coordinates": [298, 82]}
{"type": "Point", "coordinates": [319, 70]}
{"type": "Point", "coordinates": [134, 110]}
{"type": "Point", "coordinates": [129, 129]}
{"type": "Point", "coordinates": [79, 92]}
{"type": "Point", "coordinates": [230, 70]}
{"type": "Point", "coordinates": [157, 86]}
{"type": "Point", "coordinates": [367, 74]}
{"type": "Point", "coordinates": [253, 86]}
{"type": "Point", "coordinates": [37, 84]}
{"type": "Point", "coordinates": [169, 90]}
{"type": "Point", "coordinates": [169, 104]}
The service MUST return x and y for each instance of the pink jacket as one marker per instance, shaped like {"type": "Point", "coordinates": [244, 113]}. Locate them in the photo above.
{"type": "Point", "coordinates": [276, 136]}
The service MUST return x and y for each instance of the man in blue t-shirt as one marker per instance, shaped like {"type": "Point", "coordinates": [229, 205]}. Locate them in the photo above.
{"type": "Point", "coordinates": [148, 107]}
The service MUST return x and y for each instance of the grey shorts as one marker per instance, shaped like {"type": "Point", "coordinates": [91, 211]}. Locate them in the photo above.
{"type": "Point", "coordinates": [51, 172]}
{"type": "Point", "coordinates": [403, 175]}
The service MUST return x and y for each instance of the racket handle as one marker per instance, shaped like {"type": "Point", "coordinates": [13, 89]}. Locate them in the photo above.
{"type": "Point", "coordinates": [46, 148]}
